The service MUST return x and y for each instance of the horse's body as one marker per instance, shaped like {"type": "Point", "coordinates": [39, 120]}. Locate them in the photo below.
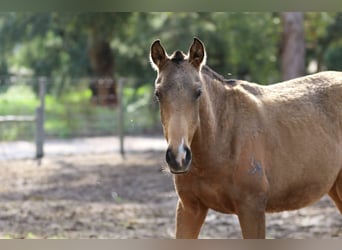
{"type": "Point", "coordinates": [242, 148]}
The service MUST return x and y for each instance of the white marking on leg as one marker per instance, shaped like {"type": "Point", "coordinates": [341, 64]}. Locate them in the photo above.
{"type": "Point", "coordinates": [181, 152]}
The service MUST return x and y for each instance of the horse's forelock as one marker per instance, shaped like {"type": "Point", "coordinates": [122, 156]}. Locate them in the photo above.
{"type": "Point", "coordinates": [178, 56]}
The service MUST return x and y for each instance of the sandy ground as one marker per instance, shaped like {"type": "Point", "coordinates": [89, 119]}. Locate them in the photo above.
{"type": "Point", "coordinates": [76, 146]}
{"type": "Point", "coordinates": [104, 196]}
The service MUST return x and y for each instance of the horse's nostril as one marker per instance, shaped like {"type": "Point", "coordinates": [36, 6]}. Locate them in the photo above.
{"type": "Point", "coordinates": [187, 156]}
{"type": "Point", "coordinates": [169, 156]}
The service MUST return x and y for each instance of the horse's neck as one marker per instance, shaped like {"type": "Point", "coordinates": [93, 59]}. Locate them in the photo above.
{"type": "Point", "coordinates": [229, 113]}
{"type": "Point", "coordinates": [215, 118]}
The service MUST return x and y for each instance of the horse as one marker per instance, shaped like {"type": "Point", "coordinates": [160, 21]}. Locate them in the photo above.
{"type": "Point", "coordinates": [243, 148]}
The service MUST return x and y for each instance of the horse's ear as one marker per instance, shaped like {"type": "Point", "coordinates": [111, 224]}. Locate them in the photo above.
{"type": "Point", "coordinates": [197, 54]}
{"type": "Point", "coordinates": [157, 55]}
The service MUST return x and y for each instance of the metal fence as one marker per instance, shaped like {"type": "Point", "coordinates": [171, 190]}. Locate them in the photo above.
{"type": "Point", "coordinates": [36, 109]}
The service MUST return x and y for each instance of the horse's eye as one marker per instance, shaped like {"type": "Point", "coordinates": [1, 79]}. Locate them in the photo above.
{"type": "Point", "coordinates": [198, 93]}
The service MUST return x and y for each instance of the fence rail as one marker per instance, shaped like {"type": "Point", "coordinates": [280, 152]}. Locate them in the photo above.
{"type": "Point", "coordinates": [75, 112]}
{"type": "Point", "coordinates": [17, 118]}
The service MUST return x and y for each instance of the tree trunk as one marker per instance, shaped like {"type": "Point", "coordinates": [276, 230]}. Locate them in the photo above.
{"type": "Point", "coordinates": [102, 63]}
{"type": "Point", "coordinates": [293, 45]}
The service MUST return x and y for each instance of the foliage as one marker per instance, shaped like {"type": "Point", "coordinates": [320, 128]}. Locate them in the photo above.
{"type": "Point", "coordinates": [333, 57]}
{"type": "Point", "coordinates": [251, 43]}
{"type": "Point", "coordinates": [323, 35]}
{"type": "Point", "coordinates": [56, 45]}
{"type": "Point", "coordinates": [242, 44]}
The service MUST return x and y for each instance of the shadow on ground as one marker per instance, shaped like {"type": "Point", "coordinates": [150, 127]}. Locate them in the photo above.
{"type": "Point", "coordinates": [105, 196]}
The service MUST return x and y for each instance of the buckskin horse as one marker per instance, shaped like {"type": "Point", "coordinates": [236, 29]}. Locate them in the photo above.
{"type": "Point", "coordinates": [246, 149]}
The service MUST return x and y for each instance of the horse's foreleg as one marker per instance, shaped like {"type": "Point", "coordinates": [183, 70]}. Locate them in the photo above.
{"type": "Point", "coordinates": [189, 220]}
{"type": "Point", "coordinates": [336, 192]}
{"type": "Point", "coordinates": [252, 221]}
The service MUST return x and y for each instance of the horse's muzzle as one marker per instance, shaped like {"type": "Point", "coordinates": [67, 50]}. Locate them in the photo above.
{"type": "Point", "coordinates": [180, 163]}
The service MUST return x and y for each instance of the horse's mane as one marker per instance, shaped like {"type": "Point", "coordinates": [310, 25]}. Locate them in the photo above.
{"type": "Point", "coordinates": [214, 75]}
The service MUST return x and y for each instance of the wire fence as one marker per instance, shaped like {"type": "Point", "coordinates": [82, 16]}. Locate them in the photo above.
{"type": "Point", "coordinates": [34, 109]}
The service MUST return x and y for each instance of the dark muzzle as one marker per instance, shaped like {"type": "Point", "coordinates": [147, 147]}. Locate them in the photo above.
{"type": "Point", "coordinates": [179, 163]}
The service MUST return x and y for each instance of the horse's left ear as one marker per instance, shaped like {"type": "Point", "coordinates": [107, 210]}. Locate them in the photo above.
{"type": "Point", "coordinates": [197, 54]}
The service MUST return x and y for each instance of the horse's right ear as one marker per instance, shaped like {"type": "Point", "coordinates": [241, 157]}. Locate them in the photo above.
{"type": "Point", "coordinates": [157, 55]}
{"type": "Point", "coordinates": [197, 54]}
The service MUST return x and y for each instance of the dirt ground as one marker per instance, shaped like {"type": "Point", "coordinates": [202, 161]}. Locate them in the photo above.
{"type": "Point", "coordinates": [105, 196]}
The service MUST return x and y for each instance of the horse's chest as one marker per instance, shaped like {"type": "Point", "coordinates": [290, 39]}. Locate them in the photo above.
{"type": "Point", "coordinates": [215, 194]}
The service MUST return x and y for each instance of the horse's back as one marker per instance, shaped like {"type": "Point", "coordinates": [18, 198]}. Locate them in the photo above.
{"type": "Point", "coordinates": [318, 94]}
{"type": "Point", "coordinates": [304, 106]}
{"type": "Point", "coordinates": [306, 86]}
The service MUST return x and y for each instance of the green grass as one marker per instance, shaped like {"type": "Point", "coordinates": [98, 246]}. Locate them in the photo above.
{"type": "Point", "coordinates": [17, 100]}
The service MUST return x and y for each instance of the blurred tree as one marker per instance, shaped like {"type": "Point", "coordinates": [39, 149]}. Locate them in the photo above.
{"type": "Point", "coordinates": [69, 45]}
{"type": "Point", "coordinates": [240, 45]}
{"type": "Point", "coordinates": [60, 46]}
{"type": "Point", "coordinates": [101, 28]}
{"type": "Point", "coordinates": [323, 33]}
{"type": "Point", "coordinates": [292, 45]}
{"type": "Point", "coordinates": [38, 45]}
{"type": "Point", "coordinates": [250, 42]}
{"type": "Point", "coordinates": [332, 44]}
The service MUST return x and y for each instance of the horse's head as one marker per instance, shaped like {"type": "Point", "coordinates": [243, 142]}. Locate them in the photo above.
{"type": "Point", "coordinates": [178, 88]}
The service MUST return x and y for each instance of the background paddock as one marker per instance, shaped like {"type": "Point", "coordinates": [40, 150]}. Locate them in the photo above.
{"type": "Point", "coordinates": [104, 196]}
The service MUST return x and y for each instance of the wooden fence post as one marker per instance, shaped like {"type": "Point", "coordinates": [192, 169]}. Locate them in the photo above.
{"type": "Point", "coordinates": [40, 133]}
{"type": "Point", "coordinates": [121, 117]}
